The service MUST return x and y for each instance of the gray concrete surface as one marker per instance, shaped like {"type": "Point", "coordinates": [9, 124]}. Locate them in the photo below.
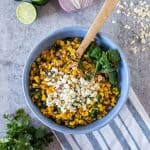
{"type": "Point", "coordinates": [17, 40]}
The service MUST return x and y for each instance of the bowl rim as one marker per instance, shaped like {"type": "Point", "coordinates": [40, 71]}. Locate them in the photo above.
{"type": "Point", "coordinates": [106, 119]}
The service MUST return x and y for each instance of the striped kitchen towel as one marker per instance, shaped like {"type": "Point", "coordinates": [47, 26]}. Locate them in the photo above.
{"type": "Point", "coordinates": [130, 130]}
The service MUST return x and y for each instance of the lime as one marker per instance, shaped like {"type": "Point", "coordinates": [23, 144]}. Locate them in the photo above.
{"type": "Point", "coordinates": [39, 2]}
{"type": "Point", "coordinates": [26, 13]}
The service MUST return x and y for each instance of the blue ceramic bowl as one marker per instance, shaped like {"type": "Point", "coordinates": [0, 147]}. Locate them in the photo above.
{"type": "Point", "coordinates": [123, 74]}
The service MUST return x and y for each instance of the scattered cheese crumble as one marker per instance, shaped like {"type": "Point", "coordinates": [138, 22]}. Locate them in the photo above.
{"type": "Point", "coordinates": [70, 92]}
{"type": "Point", "coordinates": [135, 13]}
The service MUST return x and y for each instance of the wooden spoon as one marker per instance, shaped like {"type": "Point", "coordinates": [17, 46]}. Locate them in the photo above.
{"type": "Point", "coordinates": [97, 24]}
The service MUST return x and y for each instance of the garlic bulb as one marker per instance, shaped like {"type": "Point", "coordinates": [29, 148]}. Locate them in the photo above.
{"type": "Point", "coordinates": [74, 5]}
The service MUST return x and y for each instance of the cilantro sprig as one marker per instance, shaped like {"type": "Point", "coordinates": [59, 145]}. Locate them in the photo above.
{"type": "Point", "coordinates": [21, 135]}
{"type": "Point", "coordinates": [105, 61]}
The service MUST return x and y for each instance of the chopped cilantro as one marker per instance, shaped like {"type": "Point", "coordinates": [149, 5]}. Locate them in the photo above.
{"type": "Point", "coordinates": [94, 112]}
{"type": "Point", "coordinates": [81, 65]}
{"type": "Point", "coordinates": [98, 97]}
{"type": "Point", "coordinates": [21, 135]}
{"type": "Point", "coordinates": [94, 51]}
{"type": "Point", "coordinates": [113, 56]}
{"type": "Point", "coordinates": [88, 77]}
{"type": "Point", "coordinates": [104, 62]}
{"type": "Point", "coordinates": [113, 77]}
{"type": "Point", "coordinates": [58, 109]}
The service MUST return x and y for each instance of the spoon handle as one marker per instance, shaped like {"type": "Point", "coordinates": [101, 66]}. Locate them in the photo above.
{"type": "Point", "coordinates": [97, 24]}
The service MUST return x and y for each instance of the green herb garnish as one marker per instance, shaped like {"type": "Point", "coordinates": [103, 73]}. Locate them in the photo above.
{"type": "Point", "coordinates": [88, 77]}
{"type": "Point", "coordinates": [94, 51]}
{"type": "Point", "coordinates": [105, 61]}
{"type": "Point", "coordinates": [21, 135]}
{"type": "Point", "coordinates": [113, 56]}
{"type": "Point", "coordinates": [94, 112]}
{"type": "Point", "coordinates": [98, 97]}
{"type": "Point", "coordinates": [58, 109]}
{"type": "Point", "coordinates": [81, 65]}
{"type": "Point", "coordinates": [113, 77]}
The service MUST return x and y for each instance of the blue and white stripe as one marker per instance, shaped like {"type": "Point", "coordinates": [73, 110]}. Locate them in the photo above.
{"type": "Point", "coordinates": [130, 130]}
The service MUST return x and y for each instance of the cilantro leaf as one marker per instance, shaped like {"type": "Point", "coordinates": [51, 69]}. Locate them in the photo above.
{"type": "Point", "coordinates": [113, 77]}
{"type": "Point", "coordinates": [94, 112]}
{"type": "Point", "coordinates": [58, 109]}
{"type": "Point", "coordinates": [103, 65]}
{"type": "Point", "coordinates": [21, 135]}
{"type": "Point", "coordinates": [98, 66]}
{"type": "Point", "coordinates": [81, 65]}
{"type": "Point", "coordinates": [107, 70]}
{"type": "Point", "coordinates": [98, 97]}
{"type": "Point", "coordinates": [22, 118]}
{"type": "Point", "coordinates": [113, 56]}
{"type": "Point", "coordinates": [105, 61]}
{"type": "Point", "coordinates": [88, 77]}
{"type": "Point", "coordinates": [40, 133]}
{"type": "Point", "coordinates": [94, 52]}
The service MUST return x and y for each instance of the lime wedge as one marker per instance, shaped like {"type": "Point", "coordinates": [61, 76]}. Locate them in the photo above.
{"type": "Point", "coordinates": [26, 13]}
{"type": "Point", "coordinates": [39, 2]}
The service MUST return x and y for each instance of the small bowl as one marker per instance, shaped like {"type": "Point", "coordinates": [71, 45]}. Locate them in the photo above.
{"type": "Point", "coordinates": [124, 78]}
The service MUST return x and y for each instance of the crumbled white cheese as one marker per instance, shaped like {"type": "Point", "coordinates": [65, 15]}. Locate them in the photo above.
{"type": "Point", "coordinates": [74, 80]}
{"type": "Point", "coordinates": [47, 79]}
{"type": "Point", "coordinates": [139, 12]}
{"type": "Point", "coordinates": [113, 21]}
{"type": "Point", "coordinates": [127, 27]}
{"type": "Point", "coordinates": [54, 70]}
{"type": "Point", "coordinates": [67, 97]}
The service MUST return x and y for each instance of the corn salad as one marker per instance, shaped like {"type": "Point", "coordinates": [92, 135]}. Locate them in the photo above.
{"type": "Point", "coordinates": [68, 90]}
